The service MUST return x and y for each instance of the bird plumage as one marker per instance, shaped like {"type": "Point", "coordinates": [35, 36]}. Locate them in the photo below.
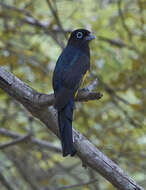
{"type": "Point", "coordinates": [70, 69]}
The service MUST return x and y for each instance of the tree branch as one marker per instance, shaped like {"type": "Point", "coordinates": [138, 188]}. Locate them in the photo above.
{"type": "Point", "coordinates": [78, 185]}
{"type": "Point", "coordinates": [123, 20]}
{"type": "Point", "coordinates": [116, 42]}
{"type": "Point", "coordinates": [33, 140]}
{"type": "Point", "coordinates": [87, 152]}
{"type": "Point", "coordinates": [29, 19]}
{"type": "Point", "coordinates": [54, 13]}
{"type": "Point", "coordinates": [14, 142]}
{"type": "Point", "coordinates": [4, 181]}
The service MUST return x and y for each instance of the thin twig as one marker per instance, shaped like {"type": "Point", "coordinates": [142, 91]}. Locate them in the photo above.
{"type": "Point", "coordinates": [54, 13]}
{"type": "Point", "coordinates": [77, 185]}
{"type": "Point", "coordinates": [35, 141]}
{"type": "Point", "coordinates": [15, 142]}
{"type": "Point", "coordinates": [117, 43]}
{"type": "Point", "coordinates": [123, 20]}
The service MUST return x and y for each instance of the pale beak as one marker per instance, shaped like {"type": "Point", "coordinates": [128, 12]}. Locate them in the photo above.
{"type": "Point", "coordinates": [90, 37]}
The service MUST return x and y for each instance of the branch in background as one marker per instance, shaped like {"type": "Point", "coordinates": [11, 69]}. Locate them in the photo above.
{"type": "Point", "coordinates": [115, 98]}
{"type": "Point", "coordinates": [23, 170]}
{"type": "Point", "coordinates": [68, 170]}
{"type": "Point", "coordinates": [41, 143]}
{"type": "Point", "coordinates": [93, 175]}
{"type": "Point", "coordinates": [123, 20]}
{"type": "Point", "coordinates": [127, 116]}
{"type": "Point", "coordinates": [78, 185]}
{"type": "Point", "coordinates": [45, 26]}
{"type": "Point", "coordinates": [113, 42]}
{"type": "Point", "coordinates": [117, 43]}
{"type": "Point", "coordinates": [15, 9]}
{"type": "Point", "coordinates": [54, 13]}
{"type": "Point", "coordinates": [4, 181]}
{"type": "Point", "coordinates": [112, 93]}
{"type": "Point", "coordinates": [29, 19]}
{"type": "Point", "coordinates": [86, 151]}
{"type": "Point", "coordinates": [15, 142]}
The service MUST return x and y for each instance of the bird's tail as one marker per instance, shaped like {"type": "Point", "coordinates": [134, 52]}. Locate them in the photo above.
{"type": "Point", "coordinates": [65, 127]}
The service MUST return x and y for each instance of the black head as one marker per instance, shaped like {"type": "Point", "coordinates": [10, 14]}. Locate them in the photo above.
{"type": "Point", "coordinates": [80, 37]}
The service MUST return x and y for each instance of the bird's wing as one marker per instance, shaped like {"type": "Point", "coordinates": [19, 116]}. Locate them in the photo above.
{"type": "Point", "coordinates": [71, 78]}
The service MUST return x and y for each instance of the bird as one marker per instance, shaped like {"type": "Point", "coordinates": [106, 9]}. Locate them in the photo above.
{"type": "Point", "coordinates": [70, 70]}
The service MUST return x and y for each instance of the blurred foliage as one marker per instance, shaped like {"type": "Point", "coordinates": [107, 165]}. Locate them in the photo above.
{"type": "Point", "coordinates": [32, 35]}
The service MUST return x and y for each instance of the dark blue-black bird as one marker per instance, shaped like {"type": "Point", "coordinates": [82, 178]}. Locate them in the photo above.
{"type": "Point", "coordinates": [71, 69]}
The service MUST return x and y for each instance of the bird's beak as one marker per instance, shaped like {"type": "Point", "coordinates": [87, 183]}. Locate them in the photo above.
{"type": "Point", "coordinates": [90, 37]}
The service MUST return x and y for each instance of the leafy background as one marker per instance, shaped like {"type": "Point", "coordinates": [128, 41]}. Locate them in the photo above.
{"type": "Point", "coordinates": [32, 35]}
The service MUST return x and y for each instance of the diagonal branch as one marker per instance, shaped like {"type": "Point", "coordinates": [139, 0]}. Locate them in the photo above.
{"type": "Point", "coordinates": [4, 181]}
{"type": "Point", "coordinates": [54, 13]}
{"type": "Point", "coordinates": [86, 151]}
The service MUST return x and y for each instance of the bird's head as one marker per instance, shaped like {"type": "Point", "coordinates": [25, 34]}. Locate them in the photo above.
{"type": "Point", "coordinates": [80, 37]}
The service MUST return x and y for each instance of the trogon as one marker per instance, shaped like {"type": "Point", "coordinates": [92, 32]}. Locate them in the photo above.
{"type": "Point", "coordinates": [70, 70]}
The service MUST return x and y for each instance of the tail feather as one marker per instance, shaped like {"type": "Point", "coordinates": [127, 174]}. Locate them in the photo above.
{"type": "Point", "coordinates": [65, 127]}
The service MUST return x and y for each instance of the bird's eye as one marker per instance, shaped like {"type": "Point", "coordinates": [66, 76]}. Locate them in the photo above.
{"type": "Point", "coordinates": [79, 35]}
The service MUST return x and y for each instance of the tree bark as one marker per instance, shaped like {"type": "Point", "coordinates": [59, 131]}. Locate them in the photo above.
{"type": "Point", "coordinates": [37, 104]}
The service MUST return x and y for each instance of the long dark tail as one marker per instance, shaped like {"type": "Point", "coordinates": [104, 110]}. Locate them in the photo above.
{"type": "Point", "coordinates": [65, 127]}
